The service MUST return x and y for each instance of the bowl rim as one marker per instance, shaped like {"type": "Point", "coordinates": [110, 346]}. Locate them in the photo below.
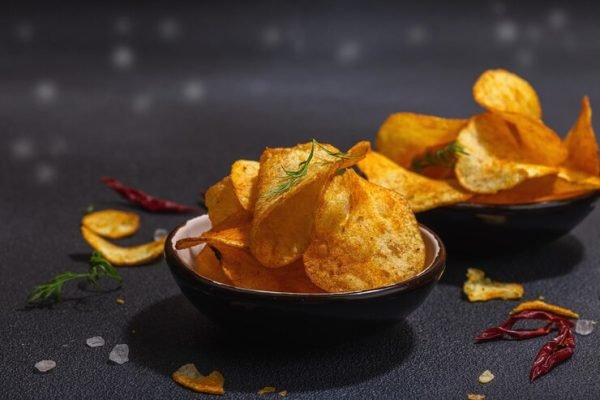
{"type": "Point", "coordinates": [435, 269]}
{"type": "Point", "coordinates": [525, 206]}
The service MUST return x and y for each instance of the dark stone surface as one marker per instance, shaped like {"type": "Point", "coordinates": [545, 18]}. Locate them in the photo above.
{"type": "Point", "coordinates": [274, 75]}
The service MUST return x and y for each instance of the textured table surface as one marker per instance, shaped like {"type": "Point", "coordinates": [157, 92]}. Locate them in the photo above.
{"type": "Point", "coordinates": [166, 99]}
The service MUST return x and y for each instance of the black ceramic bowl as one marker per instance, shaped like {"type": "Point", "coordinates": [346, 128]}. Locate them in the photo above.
{"type": "Point", "coordinates": [486, 227]}
{"type": "Point", "coordinates": [227, 304]}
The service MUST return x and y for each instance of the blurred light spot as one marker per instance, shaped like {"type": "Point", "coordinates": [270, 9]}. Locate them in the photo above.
{"type": "Point", "coordinates": [24, 31]}
{"type": "Point", "coordinates": [142, 103]}
{"type": "Point", "coordinates": [45, 173]}
{"type": "Point", "coordinates": [123, 26]}
{"type": "Point", "coordinates": [169, 30]}
{"type": "Point", "coordinates": [122, 57]}
{"type": "Point", "coordinates": [271, 36]}
{"type": "Point", "coordinates": [506, 31]}
{"type": "Point", "coordinates": [417, 35]}
{"type": "Point", "coordinates": [57, 146]}
{"type": "Point", "coordinates": [557, 19]}
{"type": "Point", "coordinates": [499, 8]}
{"type": "Point", "coordinates": [46, 91]}
{"type": "Point", "coordinates": [525, 58]}
{"type": "Point", "coordinates": [194, 91]}
{"type": "Point", "coordinates": [348, 52]}
{"type": "Point", "coordinates": [22, 148]}
{"type": "Point", "coordinates": [533, 33]}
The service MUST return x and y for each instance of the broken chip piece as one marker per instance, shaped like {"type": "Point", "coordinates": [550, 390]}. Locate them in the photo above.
{"type": "Point", "coordinates": [479, 288]}
{"type": "Point", "coordinates": [189, 377]}
{"type": "Point", "coordinates": [266, 390]}
{"type": "Point", "coordinates": [543, 306]}
{"type": "Point", "coordinates": [124, 256]}
{"type": "Point", "coordinates": [112, 224]}
{"type": "Point", "coordinates": [486, 376]}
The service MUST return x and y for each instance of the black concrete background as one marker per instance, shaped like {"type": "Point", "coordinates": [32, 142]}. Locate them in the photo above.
{"type": "Point", "coordinates": [166, 97]}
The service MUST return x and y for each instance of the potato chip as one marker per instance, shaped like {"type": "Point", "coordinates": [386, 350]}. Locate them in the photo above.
{"type": "Point", "coordinates": [112, 224]}
{"type": "Point", "coordinates": [365, 237]}
{"type": "Point", "coordinates": [581, 143]}
{"type": "Point", "coordinates": [494, 160]}
{"type": "Point", "coordinates": [124, 256]}
{"type": "Point", "coordinates": [223, 203]}
{"type": "Point", "coordinates": [500, 90]}
{"type": "Point", "coordinates": [404, 136]}
{"type": "Point", "coordinates": [589, 181]}
{"type": "Point", "coordinates": [543, 306]}
{"type": "Point", "coordinates": [546, 188]}
{"type": "Point", "coordinates": [244, 175]}
{"type": "Point", "coordinates": [538, 144]}
{"type": "Point", "coordinates": [422, 193]}
{"type": "Point", "coordinates": [283, 216]}
{"type": "Point", "coordinates": [189, 377]}
{"type": "Point", "coordinates": [266, 390]}
{"type": "Point", "coordinates": [237, 236]}
{"type": "Point", "coordinates": [207, 265]}
{"type": "Point", "coordinates": [479, 288]}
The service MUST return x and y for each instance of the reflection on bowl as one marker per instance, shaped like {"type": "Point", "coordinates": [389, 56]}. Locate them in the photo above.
{"type": "Point", "coordinates": [228, 304]}
{"type": "Point", "coordinates": [498, 227]}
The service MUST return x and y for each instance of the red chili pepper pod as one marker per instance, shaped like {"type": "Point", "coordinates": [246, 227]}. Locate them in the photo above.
{"type": "Point", "coordinates": [553, 353]}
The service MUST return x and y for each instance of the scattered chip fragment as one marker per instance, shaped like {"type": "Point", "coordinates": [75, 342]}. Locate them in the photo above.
{"type": "Point", "coordinates": [543, 306]}
{"type": "Point", "coordinates": [112, 224]}
{"type": "Point", "coordinates": [189, 377]}
{"type": "Point", "coordinates": [480, 288]}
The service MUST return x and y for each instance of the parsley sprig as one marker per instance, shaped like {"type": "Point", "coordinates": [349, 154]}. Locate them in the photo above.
{"type": "Point", "coordinates": [444, 157]}
{"type": "Point", "coordinates": [51, 291]}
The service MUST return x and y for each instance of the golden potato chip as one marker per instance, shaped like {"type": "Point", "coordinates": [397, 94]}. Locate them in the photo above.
{"type": "Point", "coordinates": [223, 203]}
{"type": "Point", "coordinates": [479, 288]}
{"type": "Point", "coordinates": [283, 215]}
{"type": "Point", "coordinates": [244, 175]}
{"type": "Point", "coordinates": [124, 256]}
{"type": "Point", "coordinates": [207, 265]}
{"type": "Point", "coordinates": [500, 90]}
{"type": "Point", "coordinates": [365, 237]}
{"type": "Point", "coordinates": [237, 236]}
{"type": "Point", "coordinates": [589, 181]}
{"type": "Point", "coordinates": [494, 160]}
{"type": "Point", "coordinates": [404, 136]}
{"type": "Point", "coordinates": [422, 193]}
{"type": "Point", "coordinates": [112, 224]}
{"type": "Point", "coordinates": [581, 143]}
{"type": "Point", "coordinates": [546, 188]}
{"type": "Point", "coordinates": [189, 377]}
{"type": "Point", "coordinates": [538, 144]}
{"type": "Point", "coordinates": [543, 306]}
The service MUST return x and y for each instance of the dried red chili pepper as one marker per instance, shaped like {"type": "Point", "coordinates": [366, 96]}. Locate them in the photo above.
{"type": "Point", "coordinates": [144, 200]}
{"type": "Point", "coordinates": [553, 353]}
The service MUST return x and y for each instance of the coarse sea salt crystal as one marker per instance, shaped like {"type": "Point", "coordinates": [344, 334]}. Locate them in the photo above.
{"type": "Point", "coordinates": [584, 326]}
{"type": "Point", "coordinates": [119, 354]}
{"type": "Point", "coordinates": [45, 365]}
{"type": "Point", "coordinates": [96, 341]}
{"type": "Point", "coordinates": [160, 233]}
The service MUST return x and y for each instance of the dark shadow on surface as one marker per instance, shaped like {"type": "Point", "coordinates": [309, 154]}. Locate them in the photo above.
{"type": "Point", "coordinates": [543, 261]}
{"type": "Point", "coordinates": [80, 257]}
{"type": "Point", "coordinates": [172, 332]}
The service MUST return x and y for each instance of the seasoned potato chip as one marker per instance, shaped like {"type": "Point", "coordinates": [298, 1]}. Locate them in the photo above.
{"type": "Point", "coordinates": [581, 143]}
{"type": "Point", "coordinates": [479, 288]}
{"type": "Point", "coordinates": [189, 377]}
{"type": "Point", "coordinates": [538, 144]}
{"type": "Point", "coordinates": [546, 188]}
{"type": "Point", "coordinates": [124, 256]}
{"type": "Point", "coordinates": [422, 193]}
{"type": "Point", "coordinates": [283, 216]}
{"type": "Point", "coordinates": [237, 236]}
{"type": "Point", "coordinates": [207, 265]}
{"type": "Point", "coordinates": [589, 181]}
{"type": "Point", "coordinates": [365, 236]}
{"type": "Point", "coordinates": [403, 136]}
{"type": "Point", "coordinates": [494, 160]}
{"type": "Point", "coordinates": [244, 175]}
{"type": "Point", "coordinates": [223, 203]}
{"type": "Point", "coordinates": [542, 305]}
{"type": "Point", "coordinates": [112, 224]}
{"type": "Point", "coordinates": [500, 90]}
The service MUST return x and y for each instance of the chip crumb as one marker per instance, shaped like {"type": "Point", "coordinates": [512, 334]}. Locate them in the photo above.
{"type": "Point", "coordinates": [120, 301]}
{"type": "Point", "coordinates": [189, 377]}
{"type": "Point", "coordinates": [475, 396]}
{"type": "Point", "coordinates": [266, 390]}
{"type": "Point", "coordinates": [283, 393]}
{"type": "Point", "coordinates": [486, 376]}
{"type": "Point", "coordinates": [480, 288]}
{"type": "Point", "coordinates": [543, 306]}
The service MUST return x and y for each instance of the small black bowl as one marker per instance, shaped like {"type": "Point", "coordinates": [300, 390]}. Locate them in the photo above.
{"type": "Point", "coordinates": [483, 227]}
{"type": "Point", "coordinates": [265, 309]}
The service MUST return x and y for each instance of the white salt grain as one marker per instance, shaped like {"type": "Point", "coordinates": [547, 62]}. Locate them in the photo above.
{"type": "Point", "coordinates": [96, 341]}
{"type": "Point", "coordinates": [584, 327]}
{"type": "Point", "coordinates": [119, 354]}
{"type": "Point", "coordinates": [45, 365]}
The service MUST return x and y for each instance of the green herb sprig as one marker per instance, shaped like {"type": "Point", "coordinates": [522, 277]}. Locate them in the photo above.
{"type": "Point", "coordinates": [292, 177]}
{"type": "Point", "coordinates": [51, 291]}
{"type": "Point", "coordinates": [444, 157]}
